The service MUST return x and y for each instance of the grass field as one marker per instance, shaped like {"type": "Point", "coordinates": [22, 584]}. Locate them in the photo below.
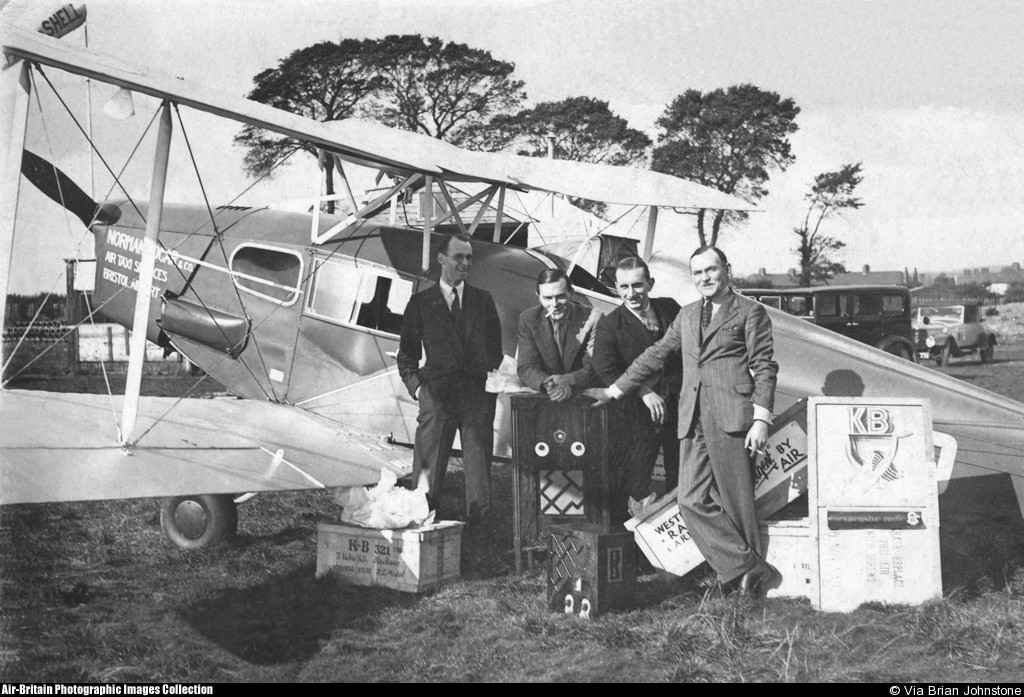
{"type": "Point", "coordinates": [93, 592]}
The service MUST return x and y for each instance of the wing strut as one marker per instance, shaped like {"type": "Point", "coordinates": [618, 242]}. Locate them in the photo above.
{"type": "Point", "coordinates": [15, 89]}
{"type": "Point", "coordinates": [144, 287]}
{"type": "Point", "coordinates": [490, 191]}
{"type": "Point", "coordinates": [452, 211]}
{"type": "Point", "coordinates": [652, 224]}
{"type": "Point", "coordinates": [317, 237]}
{"type": "Point", "coordinates": [498, 214]}
{"type": "Point", "coordinates": [428, 222]}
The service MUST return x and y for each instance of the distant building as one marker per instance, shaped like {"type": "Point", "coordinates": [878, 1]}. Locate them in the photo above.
{"type": "Point", "coordinates": [790, 279]}
{"type": "Point", "coordinates": [868, 277]}
{"type": "Point", "coordinates": [763, 279]}
{"type": "Point", "coordinates": [998, 282]}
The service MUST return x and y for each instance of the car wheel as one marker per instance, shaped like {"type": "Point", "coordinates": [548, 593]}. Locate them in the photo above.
{"type": "Point", "coordinates": [986, 353]}
{"type": "Point", "coordinates": [898, 347]}
{"type": "Point", "coordinates": [194, 522]}
{"type": "Point", "coordinates": [947, 354]}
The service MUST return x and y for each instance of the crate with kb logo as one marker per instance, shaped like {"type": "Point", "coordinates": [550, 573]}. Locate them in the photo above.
{"type": "Point", "coordinates": [873, 502]}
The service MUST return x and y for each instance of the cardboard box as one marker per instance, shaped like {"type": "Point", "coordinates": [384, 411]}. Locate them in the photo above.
{"type": "Point", "coordinates": [414, 560]}
{"type": "Point", "coordinates": [780, 477]}
{"type": "Point", "coordinates": [590, 571]}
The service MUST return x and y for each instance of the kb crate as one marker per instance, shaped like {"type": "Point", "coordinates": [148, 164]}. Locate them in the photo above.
{"type": "Point", "coordinates": [414, 560]}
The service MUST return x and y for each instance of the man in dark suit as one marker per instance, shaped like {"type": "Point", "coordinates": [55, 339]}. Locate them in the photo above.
{"type": "Point", "coordinates": [457, 326]}
{"type": "Point", "coordinates": [647, 423]}
{"type": "Point", "coordinates": [556, 339]}
{"type": "Point", "coordinates": [725, 404]}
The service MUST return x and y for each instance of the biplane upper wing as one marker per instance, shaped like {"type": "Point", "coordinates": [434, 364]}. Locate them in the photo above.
{"type": "Point", "coordinates": [392, 150]}
{"type": "Point", "coordinates": [57, 447]}
{"type": "Point", "coordinates": [45, 50]}
{"type": "Point", "coordinates": [597, 182]}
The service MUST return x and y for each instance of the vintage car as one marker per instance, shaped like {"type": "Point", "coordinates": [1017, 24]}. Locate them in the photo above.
{"type": "Point", "coordinates": [877, 315]}
{"type": "Point", "coordinates": [950, 331]}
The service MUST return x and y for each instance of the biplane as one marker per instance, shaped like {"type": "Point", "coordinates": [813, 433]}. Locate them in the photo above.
{"type": "Point", "coordinates": [299, 313]}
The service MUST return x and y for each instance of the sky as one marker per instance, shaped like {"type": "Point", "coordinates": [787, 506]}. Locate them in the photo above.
{"type": "Point", "coordinates": [927, 94]}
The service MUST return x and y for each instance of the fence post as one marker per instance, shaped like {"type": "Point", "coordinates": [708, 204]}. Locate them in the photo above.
{"type": "Point", "coordinates": [72, 314]}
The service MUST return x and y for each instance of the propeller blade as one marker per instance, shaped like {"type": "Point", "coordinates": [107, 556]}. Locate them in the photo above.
{"type": "Point", "coordinates": [60, 188]}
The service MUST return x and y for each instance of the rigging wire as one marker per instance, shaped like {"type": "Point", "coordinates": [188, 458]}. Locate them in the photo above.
{"type": "Point", "coordinates": [218, 237]}
{"type": "Point", "coordinates": [87, 137]}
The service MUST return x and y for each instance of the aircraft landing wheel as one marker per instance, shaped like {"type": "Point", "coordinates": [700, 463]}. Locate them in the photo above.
{"type": "Point", "coordinates": [986, 354]}
{"type": "Point", "coordinates": [194, 522]}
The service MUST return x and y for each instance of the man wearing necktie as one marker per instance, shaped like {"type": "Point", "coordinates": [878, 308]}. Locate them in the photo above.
{"type": "Point", "coordinates": [456, 325]}
{"type": "Point", "coordinates": [556, 339]}
{"type": "Point", "coordinates": [728, 392]}
{"type": "Point", "coordinates": [645, 423]}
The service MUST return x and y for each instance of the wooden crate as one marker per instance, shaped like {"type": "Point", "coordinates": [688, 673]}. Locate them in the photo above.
{"type": "Point", "coordinates": [414, 560]}
{"type": "Point", "coordinates": [789, 547]}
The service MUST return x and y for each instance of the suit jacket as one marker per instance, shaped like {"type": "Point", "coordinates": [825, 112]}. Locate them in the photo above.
{"type": "Point", "coordinates": [729, 371]}
{"type": "Point", "coordinates": [428, 326]}
{"type": "Point", "coordinates": [537, 356]}
{"type": "Point", "coordinates": [622, 337]}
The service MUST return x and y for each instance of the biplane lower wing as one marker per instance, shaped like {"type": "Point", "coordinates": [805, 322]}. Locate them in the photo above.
{"type": "Point", "coordinates": [60, 447]}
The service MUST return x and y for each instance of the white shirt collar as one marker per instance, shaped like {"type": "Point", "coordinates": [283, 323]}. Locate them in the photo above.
{"type": "Point", "coordinates": [649, 310]}
{"type": "Point", "coordinates": [448, 290]}
{"type": "Point", "coordinates": [715, 304]}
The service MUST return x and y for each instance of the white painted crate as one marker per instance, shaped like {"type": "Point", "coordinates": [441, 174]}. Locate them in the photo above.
{"type": "Point", "coordinates": [415, 560]}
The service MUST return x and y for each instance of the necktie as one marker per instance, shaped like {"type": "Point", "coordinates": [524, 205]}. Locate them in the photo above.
{"type": "Point", "coordinates": [705, 315]}
{"type": "Point", "coordinates": [557, 328]}
{"type": "Point", "coordinates": [460, 320]}
{"type": "Point", "coordinates": [649, 322]}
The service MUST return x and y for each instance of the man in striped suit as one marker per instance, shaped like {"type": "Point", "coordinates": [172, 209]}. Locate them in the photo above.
{"type": "Point", "coordinates": [728, 392]}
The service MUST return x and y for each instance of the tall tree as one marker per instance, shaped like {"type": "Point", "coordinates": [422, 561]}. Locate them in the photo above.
{"type": "Point", "coordinates": [580, 128]}
{"type": "Point", "coordinates": [831, 193]}
{"type": "Point", "coordinates": [325, 82]}
{"type": "Point", "coordinates": [445, 90]}
{"type": "Point", "coordinates": [729, 140]}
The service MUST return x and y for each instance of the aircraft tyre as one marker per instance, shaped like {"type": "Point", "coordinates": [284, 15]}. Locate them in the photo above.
{"type": "Point", "coordinates": [947, 354]}
{"type": "Point", "coordinates": [197, 521]}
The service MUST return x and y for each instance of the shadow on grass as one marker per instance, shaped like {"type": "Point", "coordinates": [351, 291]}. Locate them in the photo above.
{"type": "Point", "coordinates": [981, 533]}
{"type": "Point", "coordinates": [289, 617]}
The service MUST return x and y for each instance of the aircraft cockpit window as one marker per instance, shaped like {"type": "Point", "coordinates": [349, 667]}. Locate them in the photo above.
{"type": "Point", "coordinates": [269, 273]}
{"type": "Point", "coordinates": [365, 296]}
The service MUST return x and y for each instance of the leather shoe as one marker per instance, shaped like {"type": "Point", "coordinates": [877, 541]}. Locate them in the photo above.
{"type": "Point", "coordinates": [758, 580]}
